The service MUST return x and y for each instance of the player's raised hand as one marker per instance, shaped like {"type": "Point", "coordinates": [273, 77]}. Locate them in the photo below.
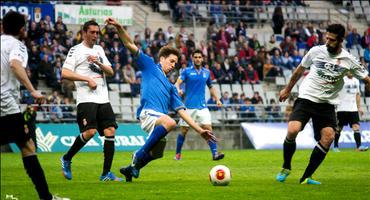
{"type": "Point", "coordinates": [208, 136]}
{"type": "Point", "coordinates": [284, 94]}
{"type": "Point", "coordinates": [112, 21]}
{"type": "Point", "coordinates": [93, 59]}
{"type": "Point", "coordinates": [92, 84]}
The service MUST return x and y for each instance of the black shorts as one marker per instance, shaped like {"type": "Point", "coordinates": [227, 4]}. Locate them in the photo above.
{"type": "Point", "coordinates": [95, 116]}
{"type": "Point", "coordinates": [12, 129]}
{"type": "Point", "coordinates": [322, 114]}
{"type": "Point", "coordinates": [347, 118]}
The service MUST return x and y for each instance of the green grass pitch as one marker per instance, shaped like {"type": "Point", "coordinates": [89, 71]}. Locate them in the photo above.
{"type": "Point", "coordinates": [344, 175]}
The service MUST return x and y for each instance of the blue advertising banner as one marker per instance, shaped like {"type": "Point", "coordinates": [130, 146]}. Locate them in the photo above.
{"type": "Point", "coordinates": [60, 137]}
{"type": "Point", "coordinates": [271, 135]}
{"type": "Point", "coordinates": [34, 12]}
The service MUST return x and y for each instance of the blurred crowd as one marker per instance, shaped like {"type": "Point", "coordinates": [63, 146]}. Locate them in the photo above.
{"type": "Point", "coordinates": [231, 53]}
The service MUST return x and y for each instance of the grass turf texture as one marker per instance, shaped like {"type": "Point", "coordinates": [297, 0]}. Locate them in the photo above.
{"type": "Point", "coordinates": [344, 175]}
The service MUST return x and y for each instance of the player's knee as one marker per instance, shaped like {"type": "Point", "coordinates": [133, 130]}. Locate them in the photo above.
{"type": "Point", "coordinates": [89, 133]}
{"type": "Point", "coordinates": [327, 136]}
{"type": "Point", "coordinates": [110, 131]}
{"type": "Point", "coordinates": [27, 148]}
{"type": "Point", "coordinates": [169, 124]}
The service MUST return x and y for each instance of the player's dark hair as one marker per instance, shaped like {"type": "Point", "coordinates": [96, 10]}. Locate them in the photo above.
{"type": "Point", "coordinates": [167, 51]}
{"type": "Point", "coordinates": [197, 51]}
{"type": "Point", "coordinates": [13, 22]}
{"type": "Point", "coordinates": [337, 29]}
{"type": "Point", "coordinates": [89, 23]}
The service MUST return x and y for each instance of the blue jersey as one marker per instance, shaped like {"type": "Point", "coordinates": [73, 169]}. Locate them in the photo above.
{"type": "Point", "coordinates": [195, 85]}
{"type": "Point", "coordinates": [157, 92]}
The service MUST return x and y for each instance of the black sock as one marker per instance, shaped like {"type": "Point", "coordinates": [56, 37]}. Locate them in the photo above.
{"type": "Point", "coordinates": [77, 145]}
{"type": "Point", "coordinates": [35, 172]}
{"type": "Point", "coordinates": [317, 156]}
{"type": "Point", "coordinates": [289, 149]}
{"type": "Point", "coordinates": [357, 137]}
{"type": "Point", "coordinates": [336, 140]}
{"type": "Point", "coordinates": [108, 153]}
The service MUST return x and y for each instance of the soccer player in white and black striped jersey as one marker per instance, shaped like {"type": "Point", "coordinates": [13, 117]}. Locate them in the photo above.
{"type": "Point", "coordinates": [348, 111]}
{"type": "Point", "coordinates": [13, 128]}
{"type": "Point", "coordinates": [318, 95]}
{"type": "Point", "coordinates": [87, 65]}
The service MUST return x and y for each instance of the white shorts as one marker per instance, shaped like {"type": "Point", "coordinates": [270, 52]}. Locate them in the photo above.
{"type": "Point", "coordinates": [201, 117]}
{"type": "Point", "coordinates": [148, 119]}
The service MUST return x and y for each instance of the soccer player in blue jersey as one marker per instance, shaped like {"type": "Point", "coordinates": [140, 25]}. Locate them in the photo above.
{"type": "Point", "coordinates": [196, 78]}
{"type": "Point", "coordinates": [157, 96]}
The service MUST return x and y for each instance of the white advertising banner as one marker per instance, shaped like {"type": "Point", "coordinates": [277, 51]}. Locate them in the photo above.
{"type": "Point", "coordinates": [272, 135]}
{"type": "Point", "coordinates": [79, 14]}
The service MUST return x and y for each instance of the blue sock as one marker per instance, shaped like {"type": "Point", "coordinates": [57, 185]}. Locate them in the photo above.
{"type": "Point", "coordinates": [158, 133]}
{"type": "Point", "coordinates": [180, 142]}
{"type": "Point", "coordinates": [212, 147]}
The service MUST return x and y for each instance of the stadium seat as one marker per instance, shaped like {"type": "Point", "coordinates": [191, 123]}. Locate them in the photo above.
{"type": "Point", "coordinates": [280, 81]}
{"type": "Point", "coordinates": [258, 88]}
{"type": "Point", "coordinates": [237, 88]}
{"type": "Point", "coordinates": [248, 90]}
{"type": "Point", "coordinates": [114, 86]}
{"type": "Point", "coordinates": [225, 88]}
{"type": "Point", "coordinates": [125, 88]}
{"type": "Point", "coordinates": [271, 95]}
{"type": "Point", "coordinates": [163, 7]}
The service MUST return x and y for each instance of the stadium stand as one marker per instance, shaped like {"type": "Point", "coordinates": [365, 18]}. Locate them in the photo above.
{"type": "Point", "coordinates": [49, 41]}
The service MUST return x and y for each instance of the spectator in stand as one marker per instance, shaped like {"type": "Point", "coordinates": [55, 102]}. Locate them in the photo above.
{"type": "Point", "coordinates": [216, 11]}
{"type": "Point", "coordinates": [246, 53]}
{"type": "Point", "coordinates": [190, 44]}
{"type": "Point", "coordinates": [67, 109]}
{"type": "Point", "coordinates": [241, 29]}
{"type": "Point", "coordinates": [259, 62]}
{"type": "Point", "coordinates": [300, 33]}
{"type": "Point", "coordinates": [169, 33]}
{"type": "Point", "coordinates": [236, 11]}
{"type": "Point", "coordinates": [117, 49]}
{"type": "Point", "coordinates": [117, 74]}
{"type": "Point", "coordinates": [34, 32]}
{"type": "Point", "coordinates": [248, 111]}
{"type": "Point", "coordinates": [277, 20]}
{"type": "Point", "coordinates": [178, 11]}
{"type": "Point", "coordinates": [367, 54]}
{"type": "Point", "coordinates": [212, 104]}
{"type": "Point", "coordinates": [231, 30]}
{"type": "Point", "coordinates": [220, 74]}
{"type": "Point", "coordinates": [277, 58]}
{"type": "Point", "coordinates": [353, 40]}
{"type": "Point", "coordinates": [313, 40]}
{"type": "Point", "coordinates": [254, 43]}
{"type": "Point", "coordinates": [129, 73]}
{"type": "Point", "coordinates": [225, 100]}
{"type": "Point", "coordinates": [287, 62]}
{"type": "Point", "coordinates": [287, 45]}
{"type": "Point", "coordinates": [235, 100]}
{"type": "Point", "coordinates": [60, 22]}
{"type": "Point", "coordinates": [296, 58]}
{"type": "Point", "coordinates": [270, 70]}
{"type": "Point", "coordinates": [260, 111]}
{"type": "Point", "coordinates": [223, 39]}
{"type": "Point", "coordinates": [251, 75]}
{"type": "Point", "coordinates": [256, 97]}
{"type": "Point", "coordinates": [365, 40]}
{"type": "Point", "coordinates": [271, 45]}
{"type": "Point", "coordinates": [273, 111]}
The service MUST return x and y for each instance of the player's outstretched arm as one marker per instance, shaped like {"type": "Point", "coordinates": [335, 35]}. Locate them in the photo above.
{"type": "Point", "coordinates": [70, 75]}
{"type": "Point", "coordinates": [123, 35]}
{"type": "Point", "coordinates": [206, 134]}
{"type": "Point", "coordinates": [284, 93]}
{"type": "Point", "coordinates": [21, 75]}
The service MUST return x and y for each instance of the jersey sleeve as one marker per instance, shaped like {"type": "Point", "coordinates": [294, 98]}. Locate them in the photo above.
{"type": "Point", "coordinates": [357, 69]}
{"type": "Point", "coordinates": [104, 57]}
{"type": "Point", "coordinates": [144, 62]}
{"type": "Point", "coordinates": [70, 62]}
{"type": "Point", "coordinates": [175, 102]}
{"type": "Point", "coordinates": [307, 59]}
{"type": "Point", "coordinates": [19, 53]}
